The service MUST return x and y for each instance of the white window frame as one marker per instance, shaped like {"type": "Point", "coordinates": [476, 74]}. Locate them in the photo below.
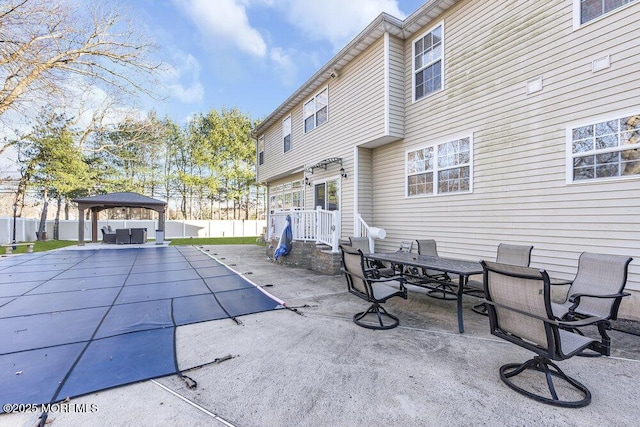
{"type": "Point", "coordinates": [599, 151]}
{"type": "Point", "coordinates": [325, 182]}
{"type": "Point", "coordinates": [260, 145]}
{"type": "Point", "coordinates": [313, 103]}
{"type": "Point", "coordinates": [286, 131]}
{"type": "Point", "coordinates": [437, 169]}
{"type": "Point", "coordinates": [441, 58]}
{"type": "Point", "coordinates": [577, 13]}
{"type": "Point", "coordinates": [288, 196]}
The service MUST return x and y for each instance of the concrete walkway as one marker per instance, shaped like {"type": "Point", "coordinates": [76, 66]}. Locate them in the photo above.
{"type": "Point", "coordinates": [315, 367]}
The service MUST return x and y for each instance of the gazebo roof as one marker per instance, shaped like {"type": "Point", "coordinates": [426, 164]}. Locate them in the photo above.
{"type": "Point", "coordinates": [122, 199]}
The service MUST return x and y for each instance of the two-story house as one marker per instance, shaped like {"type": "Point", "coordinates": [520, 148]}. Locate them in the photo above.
{"type": "Point", "coordinates": [473, 123]}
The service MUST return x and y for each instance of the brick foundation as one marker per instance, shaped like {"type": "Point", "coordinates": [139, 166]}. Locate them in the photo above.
{"type": "Point", "coordinates": [308, 255]}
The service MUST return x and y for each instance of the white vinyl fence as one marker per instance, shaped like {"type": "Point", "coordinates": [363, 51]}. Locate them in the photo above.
{"type": "Point", "coordinates": [26, 228]}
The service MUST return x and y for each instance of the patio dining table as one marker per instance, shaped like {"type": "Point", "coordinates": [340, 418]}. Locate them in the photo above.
{"type": "Point", "coordinates": [462, 268]}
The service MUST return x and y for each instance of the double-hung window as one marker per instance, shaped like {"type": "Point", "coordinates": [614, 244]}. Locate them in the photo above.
{"type": "Point", "coordinates": [316, 110]}
{"type": "Point", "coordinates": [428, 63]}
{"type": "Point", "coordinates": [286, 133]}
{"type": "Point", "coordinates": [442, 168]}
{"type": "Point", "coordinates": [605, 150]}
{"type": "Point", "coordinates": [261, 150]}
{"type": "Point", "coordinates": [589, 10]}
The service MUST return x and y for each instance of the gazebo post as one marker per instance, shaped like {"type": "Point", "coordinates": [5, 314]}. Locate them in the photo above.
{"type": "Point", "coordinates": [161, 220]}
{"type": "Point", "coordinates": [80, 226]}
{"type": "Point", "coordinates": [94, 225]}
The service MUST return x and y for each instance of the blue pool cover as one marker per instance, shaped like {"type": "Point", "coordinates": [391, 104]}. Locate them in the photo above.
{"type": "Point", "coordinates": [74, 322]}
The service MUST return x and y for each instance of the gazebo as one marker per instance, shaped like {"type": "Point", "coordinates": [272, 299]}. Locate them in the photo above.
{"type": "Point", "coordinates": [114, 200]}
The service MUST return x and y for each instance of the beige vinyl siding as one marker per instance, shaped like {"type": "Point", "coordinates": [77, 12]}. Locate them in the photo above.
{"type": "Point", "coordinates": [520, 192]}
{"type": "Point", "coordinates": [364, 182]}
{"type": "Point", "coordinates": [358, 103]}
{"type": "Point", "coordinates": [356, 116]}
{"type": "Point", "coordinates": [396, 87]}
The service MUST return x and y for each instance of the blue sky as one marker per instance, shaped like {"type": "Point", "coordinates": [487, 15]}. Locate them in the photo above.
{"type": "Point", "coordinates": [249, 54]}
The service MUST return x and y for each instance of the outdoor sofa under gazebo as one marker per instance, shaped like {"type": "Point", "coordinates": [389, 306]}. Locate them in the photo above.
{"type": "Point", "coordinates": [115, 200]}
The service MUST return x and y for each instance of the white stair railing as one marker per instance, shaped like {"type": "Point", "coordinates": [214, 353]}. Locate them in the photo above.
{"type": "Point", "coordinates": [362, 229]}
{"type": "Point", "coordinates": [319, 226]}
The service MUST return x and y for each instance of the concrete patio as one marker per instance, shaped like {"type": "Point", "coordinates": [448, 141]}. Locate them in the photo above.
{"type": "Point", "coordinates": [312, 366]}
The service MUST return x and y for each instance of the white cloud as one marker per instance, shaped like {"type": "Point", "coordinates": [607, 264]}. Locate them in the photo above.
{"type": "Point", "coordinates": [227, 20]}
{"type": "Point", "coordinates": [285, 65]}
{"type": "Point", "coordinates": [336, 21]}
{"type": "Point", "coordinates": [186, 68]}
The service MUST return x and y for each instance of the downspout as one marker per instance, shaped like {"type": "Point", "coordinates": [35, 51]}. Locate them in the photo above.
{"type": "Point", "coordinates": [386, 84]}
{"type": "Point", "coordinates": [356, 195]}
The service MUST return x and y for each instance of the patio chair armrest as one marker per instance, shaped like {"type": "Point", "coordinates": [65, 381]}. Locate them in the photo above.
{"type": "Point", "coordinates": [560, 282]}
{"type": "Point", "coordinates": [526, 313]}
{"type": "Point", "coordinates": [400, 279]}
{"type": "Point", "coordinates": [575, 298]}
{"type": "Point", "coordinates": [578, 323]}
{"type": "Point", "coordinates": [372, 273]}
{"type": "Point", "coordinates": [390, 278]}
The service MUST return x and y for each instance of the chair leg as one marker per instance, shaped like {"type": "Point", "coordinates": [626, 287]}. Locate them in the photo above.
{"type": "Point", "coordinates": [445, 290]}
{"type": "Point", "coordinates": [480, 309]}
{"type": "Point", "coordinates": [550, 370]}
{"type": "Point", "coordinates": [381, 316]}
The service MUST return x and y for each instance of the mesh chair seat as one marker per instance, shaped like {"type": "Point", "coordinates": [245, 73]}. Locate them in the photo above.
{"type": "Point", "coordinates": [507, 254]}
{"type": "Point", "coordinates": [597, 290]}
{"type": "Point", "coordinates": [362, 243]}
{"type": "Point", "coordinates": [573, 343]}
{"type": "Point", "coordinates": [444, 288]}
{"type": "Point", "coordinates": [519, 305]}
{"type": "Point", "coordinates": [371, 289]}
{"type": "Point", "coordinates": [383, 291]}
{"type": "Point", "coordinates": [597, 275]}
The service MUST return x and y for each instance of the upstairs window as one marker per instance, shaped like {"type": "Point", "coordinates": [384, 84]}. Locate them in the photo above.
{"type": "Point", "coordinates": [286, 133]}
{"type": "Point", "coordinates": [593, 9]}
{"type": "Point", "coordinates": [605, 150]}
{"type": "Point", "coordinates": [440, 169]}
{"type": "Point", "coordinates": [428, 63]}
{"type": "Point", "coordinates": [261, 150]}
{"type": "Point", "coordinates": [316, 110]}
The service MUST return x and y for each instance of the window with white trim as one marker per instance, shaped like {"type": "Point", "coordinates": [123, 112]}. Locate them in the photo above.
{"type": "Point", "coordinates": [316, 110]}
{"type": "Point", "coordinates": [442, 168]}
{"type": "Point", "coordinates": [605, 150]}
{"type": "Point", "coordinates": [286, 133]}
{"type": "Point", "coordinates": [286, 196]}
{"type": "Point", "coordinates": [428, 63]}
{"type": "Point", "coordinates": [261, 150]}
{"type": "Point", "coordinates": [593, 9]}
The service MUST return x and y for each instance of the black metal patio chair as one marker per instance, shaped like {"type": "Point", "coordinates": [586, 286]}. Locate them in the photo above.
{"type": "Point", "coordinates": [444, 288]}
{"type": "Point", "coordinates": [365, 284]}
{"type": "Point", "coordinates": [519, 305]}
{"type": "Point", "coordinates": [506, 254]}
{"type": "Point", "coordinates": [362, 243]}
{"type": "Point", "coordinates": [597, 290]}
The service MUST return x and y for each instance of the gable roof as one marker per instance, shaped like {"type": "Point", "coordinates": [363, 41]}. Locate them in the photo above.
{"type": "Point", "coordinates": [384, 23]}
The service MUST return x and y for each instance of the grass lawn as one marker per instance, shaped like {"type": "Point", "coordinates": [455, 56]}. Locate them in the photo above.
{"type": "Point", "coordinates": [247, 240]}
{"type": "Point", "coordinates": [47, 245]}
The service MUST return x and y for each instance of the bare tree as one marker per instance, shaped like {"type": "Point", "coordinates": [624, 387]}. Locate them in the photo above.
{"type": "Point", "coordinates": [46, 46]}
